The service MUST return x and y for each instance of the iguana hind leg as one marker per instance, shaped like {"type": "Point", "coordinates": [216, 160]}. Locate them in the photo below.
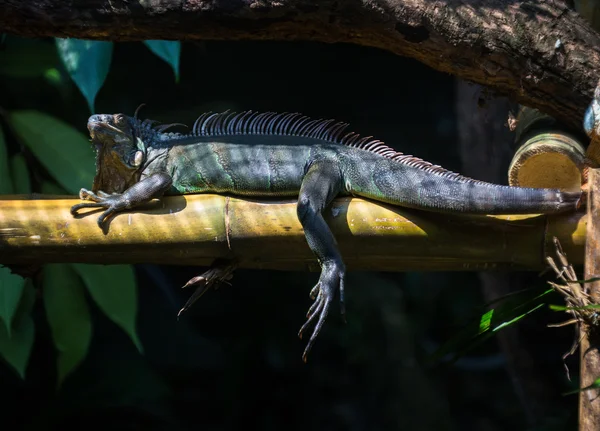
{"type": "Point", "coordinates": [322, 183]}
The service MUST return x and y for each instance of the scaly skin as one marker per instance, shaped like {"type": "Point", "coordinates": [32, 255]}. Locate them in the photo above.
{"type": "Point", "coordinates": [269, 155]}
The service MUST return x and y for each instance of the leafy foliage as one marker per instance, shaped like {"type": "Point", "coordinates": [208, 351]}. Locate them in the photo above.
{"type": "Point", "coordinates": [20, 174]}
{"type": "Point", "coordinates": [68, 316]}
{"type": "Point", "coordinates": [16, 343]}
{"type": "Point", "coordinates": [66, 155]}
{"type": "Point", "coordinates": [114, 290]}
{"type": "Point", "coordinates": [511, 309]}
{"type": "Point", "coordinates": [6, 185]}
{"type": "Point", "coordinates": [87, 62]}
{"type": "Point", "coordinates": [169, 51]}
{"type": "Point", "coordinates": [11, 291]}
{"type": "Point", "coordinates": [595, 385]}
{"type": "Point", "coordinates": [62, 150]}
{"type": "Point", "coordinates": [26, 58]}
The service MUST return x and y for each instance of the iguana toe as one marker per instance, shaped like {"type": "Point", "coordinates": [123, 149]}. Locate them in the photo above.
{"type": "Point", "coordinates": [221, 272]}
{"type": "Point", "coordinates": [332, 278]}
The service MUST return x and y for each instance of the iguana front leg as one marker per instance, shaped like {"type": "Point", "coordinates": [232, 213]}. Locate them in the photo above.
{"type": "Point", "coordinates": [322, 183]}
{"type": "Point", "coordinates": [151, 187]}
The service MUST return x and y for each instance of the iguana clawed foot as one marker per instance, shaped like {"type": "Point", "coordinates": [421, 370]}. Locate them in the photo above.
{"type": "Point", "coordinates": [151, 187]}
{"type": "Point", "coordinates": [112, 203]}
{"type": "Point", "coordinates": [219, 273]}
{"type": "Point", "coordinates": [332, 276]}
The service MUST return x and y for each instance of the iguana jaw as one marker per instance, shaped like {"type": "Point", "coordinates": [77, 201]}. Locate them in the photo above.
{"type": "Point", "coordinates": [114, 146]}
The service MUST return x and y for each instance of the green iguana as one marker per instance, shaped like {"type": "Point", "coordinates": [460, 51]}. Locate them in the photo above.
{"type": "Point", "coordinates": [271, 154]}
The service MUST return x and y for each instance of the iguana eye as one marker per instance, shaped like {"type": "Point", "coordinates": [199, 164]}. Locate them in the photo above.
{"type": "Point", "coordinates": [120, 120]}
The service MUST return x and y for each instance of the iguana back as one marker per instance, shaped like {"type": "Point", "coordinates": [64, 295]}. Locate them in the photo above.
{"type": "Point", "coordinates": [267, 154]}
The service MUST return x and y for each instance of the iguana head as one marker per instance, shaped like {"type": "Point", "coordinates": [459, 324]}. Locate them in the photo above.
{"type": "Point", "coordinates": [119, 152]}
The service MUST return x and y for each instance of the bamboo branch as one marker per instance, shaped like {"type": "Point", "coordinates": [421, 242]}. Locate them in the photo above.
{"type": "Point", "coordinates": [196, 229]}
{"type": "Point", "coordinates": [540, 53]}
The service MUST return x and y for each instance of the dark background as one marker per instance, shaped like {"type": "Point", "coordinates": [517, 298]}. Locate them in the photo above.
{"type": "Point", "coordinates": [234, 360]}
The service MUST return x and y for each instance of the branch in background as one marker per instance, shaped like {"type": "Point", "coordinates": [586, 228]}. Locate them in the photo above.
{"type": "Point", "coordinates": [197, 229]}
{"type": "Point", "coordinates": [542, 54]}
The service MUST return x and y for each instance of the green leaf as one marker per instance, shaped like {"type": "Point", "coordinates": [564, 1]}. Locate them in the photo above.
{"type": "Point", "coordinates": [6, 185]}
{"type": "Point", "coordinates": [20, 174]}
{"type": "Point", "coordinates": [53, 76]}
{"type": "Point", "coordinates": [68, 316]}
{"type": "Point", "coordinates": [486, 321]}
{"type": "Point", "coordinates": [114, 290]}
{"type": "Point", "coordinates": [63, 151]}
{"type": "Point", "coordinates": [15, 349]}
{"type": "Point", "coordinates": [595, 384]}
{"type": "Point", "coordinates": [565, 308]}
{"type": "Point", "coordinates": [516, 319]}
{"type": "Point", "coordinates": [26, 57]}
{"type": "Point", "coordinates": [88, 62]}
{"type": "Point", "coordinates": [11, 291]}
{"type": "Point", "coordinates": [512, 309]}
{"type": "Point", "coordinates": [169, 51]}
{"type": "Point", "coordinates": [589, 280]}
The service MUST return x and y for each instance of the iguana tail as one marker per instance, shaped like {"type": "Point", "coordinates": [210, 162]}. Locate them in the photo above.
{"type": "Point", "coordinates": [416, 184]}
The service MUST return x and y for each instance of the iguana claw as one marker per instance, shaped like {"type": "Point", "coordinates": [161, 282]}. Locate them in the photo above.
{"type": "Point", "coordinates": [151, 187]}
{"type": "Point", "coordinates": [112, 203]}
{"type": "Point", "coordinates": [332, 277]}
{"type": "Point", "coordinates": [219, 273]}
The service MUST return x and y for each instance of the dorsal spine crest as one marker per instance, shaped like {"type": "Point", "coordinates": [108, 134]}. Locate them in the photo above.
{"type": "Point", "coordinates": [295, 124]}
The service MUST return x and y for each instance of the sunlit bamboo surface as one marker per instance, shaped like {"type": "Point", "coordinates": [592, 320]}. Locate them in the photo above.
{"type": "Point", "coordinates": [196, 229]}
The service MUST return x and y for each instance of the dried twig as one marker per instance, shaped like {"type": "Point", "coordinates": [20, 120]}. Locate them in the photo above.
{"type": "Point", "coordinates": [576, 296]}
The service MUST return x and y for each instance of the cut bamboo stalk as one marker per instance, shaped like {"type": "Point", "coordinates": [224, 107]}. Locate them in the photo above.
{"type": "Point", "coordinates": [196, 229]}
{"type": "Point", "coordinates": [548, 155]}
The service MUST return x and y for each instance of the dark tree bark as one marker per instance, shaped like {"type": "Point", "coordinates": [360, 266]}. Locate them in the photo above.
{"type": "Point", "coordinates": [540, 53]}
{"type": "Point", "coordinates": [589, 349]}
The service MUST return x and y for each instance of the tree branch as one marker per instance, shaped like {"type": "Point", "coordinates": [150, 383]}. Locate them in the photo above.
{"type": "Point", "coordinates": [269, 236]}
{"type": "Point", "coordinates": [540, 53]}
